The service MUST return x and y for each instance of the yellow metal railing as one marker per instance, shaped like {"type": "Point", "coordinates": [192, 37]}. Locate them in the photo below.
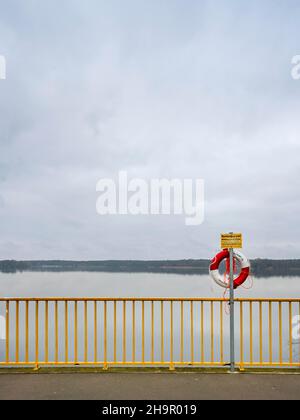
{"type": "Point", "coordinates": [147, 332]}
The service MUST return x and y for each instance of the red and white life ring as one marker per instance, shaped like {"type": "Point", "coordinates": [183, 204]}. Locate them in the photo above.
{"type": "Point", "coordinates": [221, 280]}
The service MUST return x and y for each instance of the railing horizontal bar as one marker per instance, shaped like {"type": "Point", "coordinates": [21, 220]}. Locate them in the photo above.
{"type": "Point", "coordinates": [113, 299]}
{"type": "Point", "coordinates": [144, 299]}
{"type": "Point", "coordinates": [102, 363]}
{"type": "Point", "coordinates": [267, 300]}
{"type": "Point", "coordinates": [129, 363]}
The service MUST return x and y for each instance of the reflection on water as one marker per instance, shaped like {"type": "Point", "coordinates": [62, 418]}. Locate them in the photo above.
{"type": "Point", "coordinates": [125, 285]}
{"type": "Point", "coordinates": [205, 347]}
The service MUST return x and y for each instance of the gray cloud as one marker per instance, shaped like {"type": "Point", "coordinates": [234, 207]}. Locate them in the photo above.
{"type": "Point", "coordinates": [160, 89]}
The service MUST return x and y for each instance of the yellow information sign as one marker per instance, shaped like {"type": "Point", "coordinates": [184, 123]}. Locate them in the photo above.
{"type": "Point", "coordinates": [231, 240]}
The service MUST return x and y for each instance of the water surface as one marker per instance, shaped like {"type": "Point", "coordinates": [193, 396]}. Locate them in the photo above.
{"type": "Point", "coordinates": [79, 284]}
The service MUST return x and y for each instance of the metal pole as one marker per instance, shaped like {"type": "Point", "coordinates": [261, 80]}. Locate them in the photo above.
{"type": "Point", "coordinates": [232, 350]}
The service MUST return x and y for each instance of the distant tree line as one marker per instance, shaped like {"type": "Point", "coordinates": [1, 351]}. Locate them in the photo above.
{"type": "Point", "coordinates": [259, 267]}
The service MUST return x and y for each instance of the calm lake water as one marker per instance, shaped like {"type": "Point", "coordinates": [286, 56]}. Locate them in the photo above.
{"type": "Point", "coordinates": [82, 284]}
{"type": "Point", "coordinates": [136, 285]}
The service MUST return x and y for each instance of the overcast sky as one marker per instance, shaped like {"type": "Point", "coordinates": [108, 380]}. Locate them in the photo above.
{"type": "Point", "coordinates": [174, 88]}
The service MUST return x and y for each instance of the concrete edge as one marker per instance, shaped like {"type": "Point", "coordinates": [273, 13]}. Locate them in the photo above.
{"type": "Point", "coordinates": [141, 370]}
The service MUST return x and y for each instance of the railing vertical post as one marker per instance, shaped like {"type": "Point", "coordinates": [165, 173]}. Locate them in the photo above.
{"type": "Point", "coordinates": [56, 331]}
{"type": "Point", "coordinates": [46, 327]}
{"type": "Point", "coordinates": [7, 332]}
{"type": "Point", "coordinates": [17, 331]}
{"type": "Point", "coordinates": [36, 334]}
{"type": "Point", "coordinates": [66, 332]}
{"type": "Point", "coordinates": [95, 332]}
{"type": "Point", "coordinates": [133, 332]}
{"type": "Point", "coordinates": [26, 332]}
{"type": "Point", "coordinates": [115, 331]}
{"type": "Point", "coordinates": [232, 347]}
{"type": "Point", "coordinates": [171, 337]}
{"type": "Point", "coordinates": [124, 332]}
{"type": "Point", "coordinates": [105, 365]}
{"type": "Point", "coordinates": [162, 338]}
{"type": "Point", "coordinates": [75, 333]}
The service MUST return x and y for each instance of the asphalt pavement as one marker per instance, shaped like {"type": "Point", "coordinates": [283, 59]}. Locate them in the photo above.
{"type": "Point", "coordinates": [140, 386]}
